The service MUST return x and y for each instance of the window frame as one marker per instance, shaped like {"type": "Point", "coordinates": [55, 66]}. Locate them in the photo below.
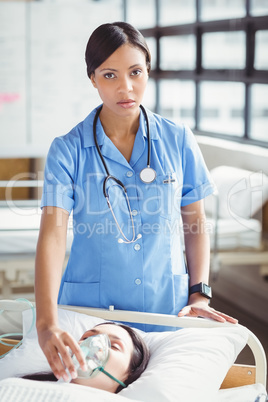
{"type": "Point", "coordinates": [248, 75]}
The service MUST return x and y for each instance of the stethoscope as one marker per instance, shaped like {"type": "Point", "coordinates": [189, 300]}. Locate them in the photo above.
{"type": "Point", "coordinates": [147, 176]}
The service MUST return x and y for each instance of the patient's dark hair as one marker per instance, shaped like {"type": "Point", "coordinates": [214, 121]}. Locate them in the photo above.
{"type": "Point", "coordinates": [107, 38]}
{"type": "Point", "coordinates": [138, 362]}
{"type": "Point", "coordinates": [140, 356]}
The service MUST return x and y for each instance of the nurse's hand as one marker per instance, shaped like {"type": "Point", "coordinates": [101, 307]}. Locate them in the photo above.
{"type": "Point", "coordinates": [55, 344]}
{"type": "Point", "coordinates": [198, 307]}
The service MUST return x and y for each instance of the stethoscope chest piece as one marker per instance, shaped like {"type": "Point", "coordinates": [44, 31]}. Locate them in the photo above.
{"type": "Point", "coordinates": [147, 175]}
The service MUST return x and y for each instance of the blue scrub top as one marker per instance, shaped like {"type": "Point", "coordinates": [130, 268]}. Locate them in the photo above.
{"type": "Point", "coordinates": [149, 275]}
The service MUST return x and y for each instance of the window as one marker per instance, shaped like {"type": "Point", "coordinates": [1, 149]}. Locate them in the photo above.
{"type": "Point", "coordinates": [177, 100]}
{"type": "Point", "coordinates": [222, 9]}
{"type": "Point", "coordinates": [210, 64]}
{"type": "Point", "coordinates": [259, 7]}
{"type": "Point", "coordinates": [141, 13]}
{"type": "Point", "coordinates": [177, 52]}
{"type": "Point", "coordinates": [150, 95]}
{"type": "Point", "coordinates": [222, 105]}
{"type": "Point", "coordinates": [172, 12]}
{"type": "Point", "coordinates": [261, 50]}
{"type": "Point", "coordinates": [151, 42]}
{"type": "Point", "coordinates": [259, 112]}
{"type": "Point", "coordinates": [229, 52]}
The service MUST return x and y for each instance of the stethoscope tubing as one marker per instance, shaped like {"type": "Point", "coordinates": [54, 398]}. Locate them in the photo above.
{"type": "Point", "coordinates": [98, 147]}
{"type": "Point", "coordinates": [110, 177]}
{"type": "Point", "coordinates": [148, 136]}
{"type": "Point", "coordinates": [119, 182]}
{"type": "Point", "coordinates": [96, 142]}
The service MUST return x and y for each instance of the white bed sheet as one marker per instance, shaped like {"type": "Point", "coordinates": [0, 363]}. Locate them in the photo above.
{"type": "Point", "coordinates": [18, 390]}
{"type": "Point", "coordinates": [17, 242]}
{"type": "Point", "coordinates": [19, 230]}
{"type": "Point", "coordinates": [234, 234]}
{"type": "Point", "coordinates": [185, 365]}
{"type": "Point", "coordinates": [247, 393]}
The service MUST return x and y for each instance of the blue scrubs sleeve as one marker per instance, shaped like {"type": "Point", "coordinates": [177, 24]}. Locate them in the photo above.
{"type": "Point", "coordinates": [197, 183]}
{"type": "Point", "coordinates": [59, 176]}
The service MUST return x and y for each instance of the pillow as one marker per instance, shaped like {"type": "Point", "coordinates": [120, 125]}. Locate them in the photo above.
{"type": "Point", "coordinates": [29, 357]}
{"type": "Point", "coordinates": [241, 192]}
{"type": "Point", "coordinates": [188, 364]}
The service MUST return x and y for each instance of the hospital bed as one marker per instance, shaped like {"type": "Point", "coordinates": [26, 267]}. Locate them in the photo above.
{"type": "Point", "coordinates": [195, 363]}
{"type": "Point", "coordinates": [234, 218]}
{"type": "Point", "coordinates": [19, 226]}
{"type": "Point", "coordinates": [19, 229]}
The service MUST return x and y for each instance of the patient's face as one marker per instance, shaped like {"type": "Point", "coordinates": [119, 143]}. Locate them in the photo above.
{"type": "Point", "coordinates": [119, 358]}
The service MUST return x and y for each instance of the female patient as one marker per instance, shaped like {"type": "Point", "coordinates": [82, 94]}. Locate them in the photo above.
{"type": "Point", "coordinates": [128, 358]}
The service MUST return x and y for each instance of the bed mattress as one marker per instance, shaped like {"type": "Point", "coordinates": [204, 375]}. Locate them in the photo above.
{"type": "Point", "coordinates": [19, 229]}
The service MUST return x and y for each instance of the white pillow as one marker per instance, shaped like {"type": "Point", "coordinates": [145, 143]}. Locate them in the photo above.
{"type": "Point", "coordinates": [187, 365]}
{"type": "Point", "coordinates": [29, 358]}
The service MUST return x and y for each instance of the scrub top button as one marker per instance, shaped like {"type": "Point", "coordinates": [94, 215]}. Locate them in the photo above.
{"type": "Point", "coordinates": [137, 247]}
{"type": "Point", "coordinates": [129, 173]}
{"type": "Point", "coordinates": [134, 212]}
{"type": "Point", "coordinates": [137, 281]}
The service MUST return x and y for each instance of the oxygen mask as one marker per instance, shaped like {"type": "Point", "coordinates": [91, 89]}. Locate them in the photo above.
{"type": "Point", "coordinates": [96, 350]}
{"type": "Point", "coordinates": [96, 353]}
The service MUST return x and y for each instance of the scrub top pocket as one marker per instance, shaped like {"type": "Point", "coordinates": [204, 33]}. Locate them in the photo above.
{"type": "Point", "coordinates": [80, 294]}
{"type": "Point", "coordinates": [169, 193]}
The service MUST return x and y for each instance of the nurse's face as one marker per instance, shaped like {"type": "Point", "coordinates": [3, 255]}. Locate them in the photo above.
{"type": "Point", "coordinates": [119, 358]}
{"type": "Point", "coordinates": [121, 81]}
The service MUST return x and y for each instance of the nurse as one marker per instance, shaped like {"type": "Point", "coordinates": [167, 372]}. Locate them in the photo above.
{"type": "Point", "coordinates": [133, 181]}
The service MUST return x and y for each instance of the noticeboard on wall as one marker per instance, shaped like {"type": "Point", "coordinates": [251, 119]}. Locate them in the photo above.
{"type": "Point", "coordinates": [44, 88]}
